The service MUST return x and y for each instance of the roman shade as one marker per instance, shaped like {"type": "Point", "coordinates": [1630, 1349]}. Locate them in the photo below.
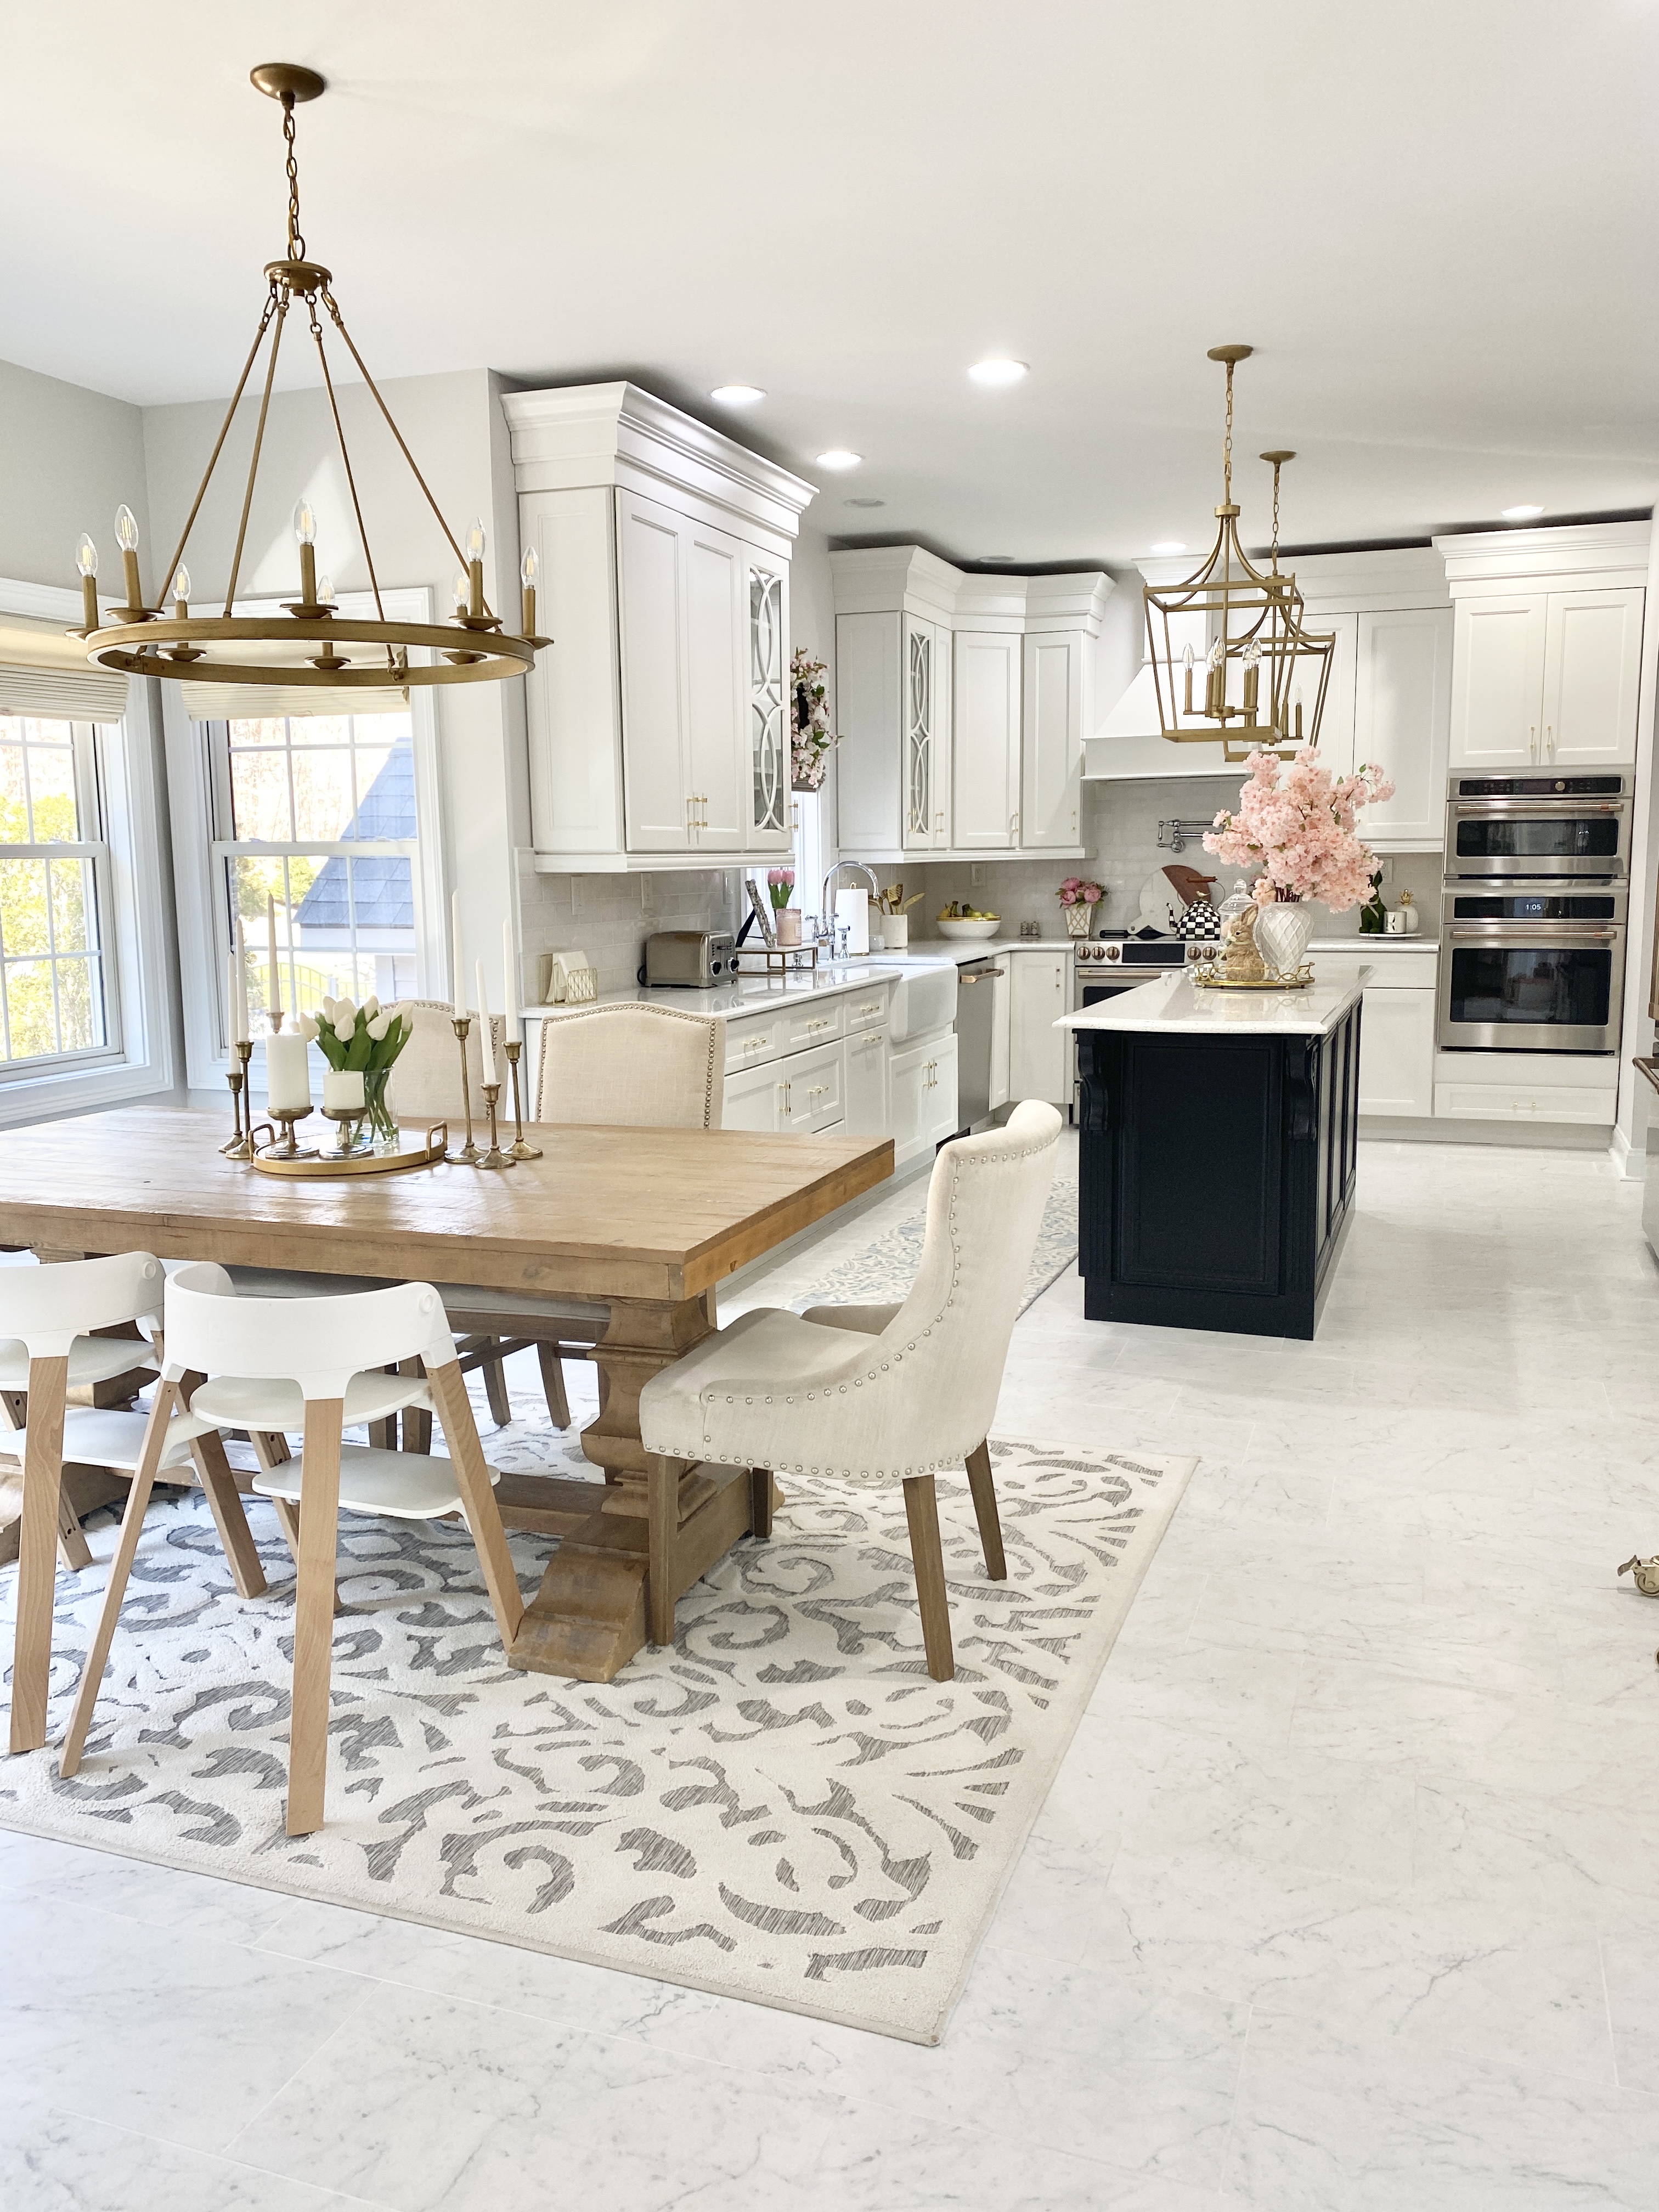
{"type": "Point", "coordinates": [255, 702]}
{"type": "Point", "coordinates": [45, 674]}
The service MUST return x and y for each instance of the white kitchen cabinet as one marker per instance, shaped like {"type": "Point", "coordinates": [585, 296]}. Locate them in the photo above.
{"type": "Point", "coordinates": [924, 1095]}
{"type": "Point", "coordinates": [1546, 678]}
{"type": "Point", "coordinates": [1592, 670]}
{"type": "Point", "coordinates": [1402, 722]}
{"type": "Point", "coordinates": [1038, 1056]}
{"type": "Point", "coordinates": [1057, 693]}
{"type": "Point", "coordinates": [1397, 1051]}
{"type": "Point", "coordinates": [754, 1099]}
{"type": "Point", "coordinates": [927, 723]}
{"type": "Point", "coordinates": [657, 717]}
{"type": "Point", "coordinates": [1000, 989]}
{"type": "Point", "coordinates": [985, 745]}
{"type": "Point", "coordinates": [869, 1112]}
{"type": "Point", "coordinates": [814, 1085]}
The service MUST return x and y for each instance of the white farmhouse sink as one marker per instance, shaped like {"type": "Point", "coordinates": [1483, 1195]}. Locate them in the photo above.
{"type": "Point", "coordinates": [924, 999]}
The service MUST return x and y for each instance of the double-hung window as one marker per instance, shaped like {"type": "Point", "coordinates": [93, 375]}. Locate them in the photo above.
{"type": "Point", "coordinates": [57, 989]}
{"type": "Point", "coordinates": [316, 823]}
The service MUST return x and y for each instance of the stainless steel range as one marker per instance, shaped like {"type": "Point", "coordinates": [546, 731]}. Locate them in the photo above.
{"type": "Point", "coordinates": [1532, 913]}
{"type": "Point", "coordinates": [1104, 967]}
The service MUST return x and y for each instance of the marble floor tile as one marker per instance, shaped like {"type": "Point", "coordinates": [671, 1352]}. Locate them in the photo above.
{"type": "Point", "coordinates": [62, 2163]}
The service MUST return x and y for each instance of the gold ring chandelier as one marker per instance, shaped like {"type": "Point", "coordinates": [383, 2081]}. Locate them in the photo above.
{"type": "Point", "coordinates": [1234, 623]}
{"type": "Point", "coordinates": [311, 642]}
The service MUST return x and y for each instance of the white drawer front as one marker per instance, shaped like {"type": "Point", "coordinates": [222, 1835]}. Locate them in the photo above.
{"type": "Point", "coordinates": [749, 1044]}
{"type": "Point", "coordinates": [814, 1088]}
{"type": "Point", "coordinates": [1398, 971]}
{"type": "Point", "coordinates": [815, 1023]}
{"type": "Point", "coordinates": [865, 1008]}
{"type": "Point", "coordinates": [1515, 1102]}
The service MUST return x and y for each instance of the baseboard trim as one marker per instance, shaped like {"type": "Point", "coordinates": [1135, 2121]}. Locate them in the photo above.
{"type": "Point", "coordinates": [1551, 1136]}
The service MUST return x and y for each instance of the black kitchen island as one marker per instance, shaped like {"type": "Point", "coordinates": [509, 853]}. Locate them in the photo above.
{"type": "Point", "coordinates": [1218, 1140]}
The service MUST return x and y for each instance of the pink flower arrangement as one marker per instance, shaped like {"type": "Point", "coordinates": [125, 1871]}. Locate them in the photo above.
{"type": "Point", "coordinates": [1298, 829]}
{"type": "Point", "coordinates": [1075, 892]}
{"type": "Point", "coordinates": [780, 887]}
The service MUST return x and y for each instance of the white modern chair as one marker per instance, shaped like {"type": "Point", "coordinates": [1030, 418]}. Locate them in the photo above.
{"type": "Point", "coordinates": [319, 1364]}
{"type": "Point", "coordinates": [629, 1066]}
{"type": "Point", "coordinates": [872, 1395]}
{"type": "Point", "coordinates": [47, 1348]}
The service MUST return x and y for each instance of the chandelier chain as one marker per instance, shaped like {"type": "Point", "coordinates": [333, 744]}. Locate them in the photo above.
{"type": "Point", "coordinates": [296, 244]}
{"type": "Point", "coordinates": [1227, 442]}
{"type": "Point", "coordinates": [1277, 466]}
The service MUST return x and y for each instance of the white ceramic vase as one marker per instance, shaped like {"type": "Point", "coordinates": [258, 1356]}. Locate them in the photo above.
{"type": "Point", "coordinates": [1282, 931]}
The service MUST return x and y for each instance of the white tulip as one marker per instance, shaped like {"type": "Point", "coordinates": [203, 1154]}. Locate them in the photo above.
{"type": "Point", "coordinates": [307, 1028]}
{"type": "Point", "coordinates": [378, 1026]}
{"type": "Point", "coordinates": [344, 1010]}
{"type": "Point", "coordinates": [345, 1031]}
{"type": "Point", "coordinates": [327, 1009]}
{"type": "Point", "coordinates": [371, 1007]}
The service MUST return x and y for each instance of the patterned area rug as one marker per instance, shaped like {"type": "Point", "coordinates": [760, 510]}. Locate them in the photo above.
{"type": "Point", "coordinates": [783, 1807]}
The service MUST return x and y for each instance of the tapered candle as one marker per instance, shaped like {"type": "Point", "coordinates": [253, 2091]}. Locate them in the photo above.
{"type": "Point", "coordinates": [230, 1003]}
{"type": "Point", "coordinates": [275, 1005]}
{"type": "Point", "coordinates": [240, 1002]}
{"type": "Point", "coordinates": [509, 1004]}
{"type": "Point", "coordinates": [457, 972]}
{"type": "Point", "coordinates": [486, 1041]}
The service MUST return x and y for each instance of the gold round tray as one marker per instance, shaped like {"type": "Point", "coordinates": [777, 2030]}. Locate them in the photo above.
{"type": "Point", "coordinates": [1300, 982]}
{"type": "Point", "coordinates": [414, 1151]}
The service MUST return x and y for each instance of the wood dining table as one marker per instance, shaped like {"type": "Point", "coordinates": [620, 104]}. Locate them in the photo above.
{"type": "Point", "coordinates": [647, 1221]}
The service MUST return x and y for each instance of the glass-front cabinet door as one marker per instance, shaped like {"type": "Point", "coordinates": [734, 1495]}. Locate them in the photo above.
{"type": "Point", "coordinates": [919, 679]}
{"type": "Point", "coordinates": [768, 708]}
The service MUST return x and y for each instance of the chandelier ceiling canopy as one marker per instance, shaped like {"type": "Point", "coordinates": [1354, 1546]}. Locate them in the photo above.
{"type": "Point", "coordinates": [311, 642]}
{"type": "Point", "coordinates": [1251, 672]}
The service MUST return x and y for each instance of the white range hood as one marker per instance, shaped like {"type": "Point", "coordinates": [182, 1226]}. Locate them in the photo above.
{"type": "Point", "coordinates": [1130, 742]}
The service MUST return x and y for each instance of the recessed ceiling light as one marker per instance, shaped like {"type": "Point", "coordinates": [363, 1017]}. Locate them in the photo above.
{"type": "Point", "coordinates": [864, 502]}
{"type": "Point", "coordinates": [1168, 545]}
{"type": "Point", "coordinates": [1522, 513]}
{"type": "Point", "coordinates": [987, 560]}
{"type": "Point", "coordinates": [999, 372]}
{"type": "Point", "coordinates": [839, 457]}
{"type": "Point", "coordinates": [736, 395]}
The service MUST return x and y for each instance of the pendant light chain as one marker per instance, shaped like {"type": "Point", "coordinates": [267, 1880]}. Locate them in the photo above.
{"type": "Point", "coordinates": [1227, 443]}
{"type": "Point", "coordinates": [1277, 466]}
{"type": "Point", "coordinates": [296, 244]}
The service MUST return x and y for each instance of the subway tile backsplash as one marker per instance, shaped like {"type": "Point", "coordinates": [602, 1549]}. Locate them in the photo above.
{"type": "Point", "coordinates": [610, 917]}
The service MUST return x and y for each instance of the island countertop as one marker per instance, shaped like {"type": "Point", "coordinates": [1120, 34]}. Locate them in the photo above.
{"type": "Point", "coordinates": [1174, 1005]}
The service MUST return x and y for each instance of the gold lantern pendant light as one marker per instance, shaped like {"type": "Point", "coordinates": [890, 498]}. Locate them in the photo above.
{"type": "Point", "coordinates": [1246, 623]}
{"type": "Point", "coordinates": [310, 642]}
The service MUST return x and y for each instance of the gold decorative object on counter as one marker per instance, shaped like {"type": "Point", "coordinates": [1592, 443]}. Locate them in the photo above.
{"type": "Point", "coordinates": [425, 1150]}
{"type": "Point", "coordinates": [494, 1157]}
{"type": "Point", "coordinates": [517, 1149]}
{"type": "Point", "coordinates": [468, 1155]}
{"type": "Point", "coordinates": [240, 1147]}
{"type": "Point", "coordinates": [1251, 621]}
{"type": "Point", "coordinates": [312, 643]}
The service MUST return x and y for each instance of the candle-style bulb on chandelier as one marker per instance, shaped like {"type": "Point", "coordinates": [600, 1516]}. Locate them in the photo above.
{"type": "Point", "coordinates": [312, 641]}
{"type": "Point", "coordinates": [1264, 674]}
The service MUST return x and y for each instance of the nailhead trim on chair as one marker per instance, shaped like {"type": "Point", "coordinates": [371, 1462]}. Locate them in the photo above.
{"type": "Point", "coordinates": [713, 1023]}
{"type": "Point", "coordinates": [864, 1474]}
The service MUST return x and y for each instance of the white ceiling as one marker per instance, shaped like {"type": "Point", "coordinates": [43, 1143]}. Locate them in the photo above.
{"type": "Point", "coordinates": [1436, 222]}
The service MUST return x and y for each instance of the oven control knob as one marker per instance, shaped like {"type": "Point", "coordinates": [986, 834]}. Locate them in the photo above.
{"type": "Point", "coordinates": [1110, 952]}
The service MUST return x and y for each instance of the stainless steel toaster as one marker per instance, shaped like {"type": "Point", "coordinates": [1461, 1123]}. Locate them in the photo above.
{"type": "Point", "coordinates": [692, 960]}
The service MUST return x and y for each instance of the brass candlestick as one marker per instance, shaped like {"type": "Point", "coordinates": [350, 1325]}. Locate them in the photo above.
{"type": "Point", "coordinates": [285, 1148]}
{"type": "Point", "coordinates": [494, 1157]}
{"type": "Point", "coordinates": [349, 1120]}
{"type": "Point", "coordinates": [240, 1147]}
{"type": "Point", "coordinates": [468, 1155]}
{"type": "Point", "coordinates": [517, 1150]}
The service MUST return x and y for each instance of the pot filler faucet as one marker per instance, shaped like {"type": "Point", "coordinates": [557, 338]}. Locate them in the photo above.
{"type": "Point", "coordinates": [824, 907]}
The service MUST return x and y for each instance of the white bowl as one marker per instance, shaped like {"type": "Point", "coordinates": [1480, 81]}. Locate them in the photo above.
{"type": "Point", "coordinates": [971, 929]}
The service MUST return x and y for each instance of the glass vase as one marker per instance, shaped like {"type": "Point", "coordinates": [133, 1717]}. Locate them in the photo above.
{"type": "Point", "coordinates": [382, 1122]}
{"type": "Point", "coordinates": [1282, 931]}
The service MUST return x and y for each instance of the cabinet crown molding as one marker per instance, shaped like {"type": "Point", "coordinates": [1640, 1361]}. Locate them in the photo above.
{"type": "Point", "coordinates": [1480, 560]}
{"type": "Point", "coordinates": [572, 436]}
{"type": "Point", "coordinates": [909, 580]}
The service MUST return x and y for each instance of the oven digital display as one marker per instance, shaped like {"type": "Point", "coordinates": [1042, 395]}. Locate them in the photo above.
{"type": "Point", "coordinates": [1539, 786]}
{"type": "Point", "coordinates": [1535, 906]}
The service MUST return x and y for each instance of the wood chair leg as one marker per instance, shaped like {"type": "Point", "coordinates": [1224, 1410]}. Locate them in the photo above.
{"type": "Point", "coordinates": [927, 1556]}
{"type": "Point", "coordinates": [479, 1499]}
{"type": "Point", "coordinates": [552, 1368]}
{"type": "Point", "coordinates": [132, 1527]}
{"type": "Point", "coordinates": [759, 1501]}
{"type": "Point", "coordinates": [383, 1434]}
{"type": "Point", "coordinates": [271, 1451]}
{"type": "Point", "coordinates": [313, 1616]}
{"type": "Point", "coordinates": [72, 1546]}
{"type": "Point", "coordinates": [985, 1512]}
{"type": "Point", "coordinates": [213, 1472]}
{"type": "Point", "coordinates": [418, 1420]}
{"type": "Point", "coordinates": [662, 1480]}
{"type": "Point", "coordinates": [37, 1552]}
{"type": "Point", "coordinates": [494, 1382]}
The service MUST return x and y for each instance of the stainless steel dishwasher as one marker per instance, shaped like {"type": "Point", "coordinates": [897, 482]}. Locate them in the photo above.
{"type": "Point", "coordinates": [975, 1019]}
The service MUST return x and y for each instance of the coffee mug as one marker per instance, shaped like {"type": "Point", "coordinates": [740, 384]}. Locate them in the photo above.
{"type": "Point", "coordinates": [1395, 923]}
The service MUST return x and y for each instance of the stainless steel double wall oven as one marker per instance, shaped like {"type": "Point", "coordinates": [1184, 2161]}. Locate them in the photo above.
{"type": "Point", "coordinates": [1533, 912]}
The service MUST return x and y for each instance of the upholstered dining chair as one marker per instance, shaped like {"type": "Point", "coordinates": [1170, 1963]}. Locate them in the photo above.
{"type": "Point", "coordinates": [317, 1364]}
{"type": "Point", "coordinates": [872, 1395]}
{"type": "Point", "coordinates": [626, 1066]}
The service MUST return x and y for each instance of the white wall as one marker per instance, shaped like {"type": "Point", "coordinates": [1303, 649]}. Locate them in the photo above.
{"type": "Point", "coordinates": [68, 457]}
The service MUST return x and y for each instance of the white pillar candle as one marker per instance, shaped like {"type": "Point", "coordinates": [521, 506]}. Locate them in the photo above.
{"type": "Point", "coordinates": [486, 1039]}
{"type": "Point", "coordinates": [230, 1005]}
{"type": "Point", "coordinates": [274, 1003]}
{"type": "Point", "coordinates": [240, 1002]}
{"type": "Point", "coordinates": [510, 1003]}
{"type": "Point", "coordinates": [287, 1074]}
{"type": "Point", "coordinates": [458, 973]}
{"type": "Point", "coordinates": [343, 1089]}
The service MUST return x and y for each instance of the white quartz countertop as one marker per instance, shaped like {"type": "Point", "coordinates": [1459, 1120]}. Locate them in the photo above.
{"type": "Point", "coordinates": [1173, 1005]}
{"type": "Point", "coordinates": [750, 994]}
{"type": "Point", "coordinates": [961, 949]}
